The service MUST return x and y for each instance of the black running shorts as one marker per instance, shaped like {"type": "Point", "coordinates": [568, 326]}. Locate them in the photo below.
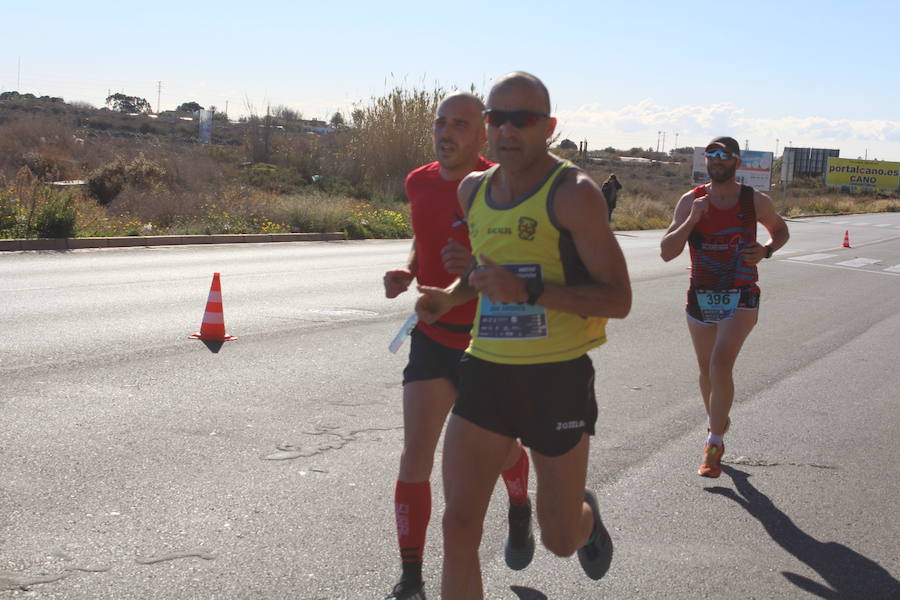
{"type": "Point", "coordinates": [548, 406]}
{"type": "Point", "coordinates": [429, 359]}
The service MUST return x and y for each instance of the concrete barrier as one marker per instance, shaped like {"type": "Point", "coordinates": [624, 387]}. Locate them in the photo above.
{"type": "Point", "coordinates": [161, 240]}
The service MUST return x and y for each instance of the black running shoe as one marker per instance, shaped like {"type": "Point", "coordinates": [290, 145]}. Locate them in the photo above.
{"type": "Point", "coordinates": [596, 556]}
{"type": "Point", "coordinates": [407, 589]}
{"type": "Point", "coordinates": [520, 544]}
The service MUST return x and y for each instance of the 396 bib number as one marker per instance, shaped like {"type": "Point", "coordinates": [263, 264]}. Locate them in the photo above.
{"type": "Point", "coordinates": [716, 305]}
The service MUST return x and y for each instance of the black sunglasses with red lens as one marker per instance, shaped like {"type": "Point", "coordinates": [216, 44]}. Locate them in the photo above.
{"type": "Point", "coordinates": [518, 118]}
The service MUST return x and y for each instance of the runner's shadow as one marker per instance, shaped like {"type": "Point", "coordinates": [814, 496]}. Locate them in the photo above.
{"type": "Point", "coordinates": [851, 575]}
{"type": "Point", "coordinates": [527, 593]}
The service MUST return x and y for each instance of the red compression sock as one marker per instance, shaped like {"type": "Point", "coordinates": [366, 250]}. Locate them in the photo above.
{"type": "Point", "coordinates": [516, 479]}
{"type": "Point", "coordinates": [412, 506]}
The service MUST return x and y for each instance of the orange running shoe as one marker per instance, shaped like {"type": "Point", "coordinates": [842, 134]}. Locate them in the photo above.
{"type": "Point", "coordinates": [712, 459]}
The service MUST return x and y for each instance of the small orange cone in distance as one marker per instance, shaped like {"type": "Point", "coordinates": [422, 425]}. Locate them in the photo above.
{"type": "Point", "coordinates": [212, 329]}
{"type": "Point", "coordinates": [846, 238]}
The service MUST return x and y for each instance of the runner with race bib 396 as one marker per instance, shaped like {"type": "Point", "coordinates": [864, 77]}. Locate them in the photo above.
{"type": "Point", "coordinates": [718, 221]}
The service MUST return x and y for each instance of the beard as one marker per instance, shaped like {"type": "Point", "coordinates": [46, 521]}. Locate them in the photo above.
{"type": "Point", "coordinates": [722, 173]}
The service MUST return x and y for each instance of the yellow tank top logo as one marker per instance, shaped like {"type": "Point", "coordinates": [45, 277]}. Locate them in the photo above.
{"type": "Point", "coordinates": [527, 228]}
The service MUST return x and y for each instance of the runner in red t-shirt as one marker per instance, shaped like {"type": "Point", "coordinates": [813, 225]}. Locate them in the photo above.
{"type": "Point", "coordinates": [430, 377]}
{"type": "Point", "coordinates": [718, 221]}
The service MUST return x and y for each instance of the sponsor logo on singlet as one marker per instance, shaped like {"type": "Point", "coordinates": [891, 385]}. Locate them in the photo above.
{"type": "Point", "coordinates": [527, 228]}
{"type": "Point", "coordinates": [720, 244]}
{"type": "Point", "coordinates": [569, 425]}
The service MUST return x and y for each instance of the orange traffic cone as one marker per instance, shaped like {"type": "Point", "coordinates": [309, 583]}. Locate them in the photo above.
{"type": "Point", "coordinates": [212, 329]}
{"type": "Point", "coordinates": [846, 238]}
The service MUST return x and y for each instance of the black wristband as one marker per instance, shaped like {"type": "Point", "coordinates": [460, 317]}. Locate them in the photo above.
{"type": "Point", "coordinates": [769, 251]}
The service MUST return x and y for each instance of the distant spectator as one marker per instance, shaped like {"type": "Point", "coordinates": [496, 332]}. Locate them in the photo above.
{"type": "Point", "coordinates": [610, 191]}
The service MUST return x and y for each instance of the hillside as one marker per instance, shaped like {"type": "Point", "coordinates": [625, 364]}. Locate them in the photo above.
{"type": "Point", "coordinates": [276, 173]}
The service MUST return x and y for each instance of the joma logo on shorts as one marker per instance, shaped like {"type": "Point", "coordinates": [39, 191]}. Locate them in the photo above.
{"type": "Point", "coordinates": [569, 425]}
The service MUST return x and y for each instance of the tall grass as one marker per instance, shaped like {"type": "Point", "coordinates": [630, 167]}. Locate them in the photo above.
{"type": "Point", "coordinates": [390, 136]}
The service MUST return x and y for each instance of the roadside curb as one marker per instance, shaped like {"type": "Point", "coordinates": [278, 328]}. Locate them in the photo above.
{"type": "Point", "coordinates": [162, 240]}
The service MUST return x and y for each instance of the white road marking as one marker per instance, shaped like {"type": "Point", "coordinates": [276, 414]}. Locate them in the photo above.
{"type": "Point", "coordinates": [861, 224]}
{"type": "Point", "coordinates": [894, 269]}
{"type": "Point", "coordinates": [859, 262]}
{"type": "Point", "coordinates": [814, 264]}
{"type": "Point", "coordinates": [812, 257]}
{"type": "Point", "coordinates": [883, 225]}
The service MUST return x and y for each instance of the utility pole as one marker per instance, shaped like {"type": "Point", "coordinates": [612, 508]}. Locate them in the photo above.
{"type": "Point", "coordinates": [676, 140]}
{"type": "Point", "coordinates": [776, 146]}
{"type": "Point", "coordinates": [746, 144]}
{"type": "Point", "coordinates": [158, 95]}
{"type": "Point", "coordinates": [658, 133]}
{"type": "Point", "coordinates": [664, 142]}
{"type": "Point", "coordinates": [226, 109]}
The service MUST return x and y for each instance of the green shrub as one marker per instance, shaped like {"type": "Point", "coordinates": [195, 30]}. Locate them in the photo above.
{"type": "Point", "coordinates": [272, 178]}
{"type": "Point", "coordinates": [105, 183]}
{"type": "Point", "coordinates": [9, 212]}
{"type": "Point", "coordinates": [55, 218]}
{"type": "Point", "coordinates": [377, 223]}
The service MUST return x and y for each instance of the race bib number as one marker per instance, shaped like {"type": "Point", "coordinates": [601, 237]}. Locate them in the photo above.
{"type": "Point", "coordinates": [717, 305]}
{"type": "Point", "coordinates": [516, 321]}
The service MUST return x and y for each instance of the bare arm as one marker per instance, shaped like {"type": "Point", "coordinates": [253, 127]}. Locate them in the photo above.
{"type": "Point", "coordinates": [455, 257]}
{"type": "Point", "coordinates": [688, 211]}
{"type": "Point", "coordinates": [774, 224]}
{"type": "Point", "coordinates": [581, 210]}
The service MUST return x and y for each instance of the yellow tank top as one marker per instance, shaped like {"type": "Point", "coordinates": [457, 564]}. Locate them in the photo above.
{"type": "Point", "coordinates": [526, 239]}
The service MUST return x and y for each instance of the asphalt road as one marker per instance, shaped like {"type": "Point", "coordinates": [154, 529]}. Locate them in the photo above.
{"type": "Point", "coordinates": [138, 464]}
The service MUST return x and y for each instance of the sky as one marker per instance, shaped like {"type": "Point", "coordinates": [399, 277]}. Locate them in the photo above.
{"type": "Point", "coordinates": [620, 73]}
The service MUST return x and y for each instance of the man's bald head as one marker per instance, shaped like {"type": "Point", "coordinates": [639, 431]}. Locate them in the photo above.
{"type": "Point", "coordinates": [463, 97]}
{"type": "Point", "coordinates": [522, 80]}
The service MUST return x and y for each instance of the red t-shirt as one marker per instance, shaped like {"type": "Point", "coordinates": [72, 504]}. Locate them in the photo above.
{"type": "Point", "coordinates": [436, 217]}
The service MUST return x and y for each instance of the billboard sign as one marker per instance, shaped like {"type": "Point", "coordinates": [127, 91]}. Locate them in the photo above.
{"type": "Point", "coordinates": [863, 173]}
{"type": "Point", "coordinates": [755, 169]}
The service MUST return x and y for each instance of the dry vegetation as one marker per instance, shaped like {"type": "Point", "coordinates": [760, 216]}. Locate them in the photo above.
{"type": "Point", "coordinates": [271, 174]}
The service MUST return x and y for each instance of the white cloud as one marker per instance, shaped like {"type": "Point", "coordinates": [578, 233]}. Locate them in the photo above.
{"type": "Point", "coordinates": [639, 125]}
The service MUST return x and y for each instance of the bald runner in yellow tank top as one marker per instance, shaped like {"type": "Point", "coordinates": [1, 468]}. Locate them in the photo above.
{"type": "Point", "coordinates": [526, 239]}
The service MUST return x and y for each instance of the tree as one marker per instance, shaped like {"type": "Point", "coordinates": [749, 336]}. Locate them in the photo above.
{"type": "Point", "coordinates": [337, 120]}
{"type": "Point", "coordinates": [286, 114]}
{"type": "Point", "coordinates": [568, 144]}
{"type": "Point", "coordinates": [127, 104]}
{"type": "Point", "coordinates": [189, 107]}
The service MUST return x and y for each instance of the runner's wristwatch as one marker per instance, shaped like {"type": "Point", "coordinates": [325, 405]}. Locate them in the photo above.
{"type": "Point", "coordinates": [534, 287]}
{"type": "Point", "coordinates": [769, 251]}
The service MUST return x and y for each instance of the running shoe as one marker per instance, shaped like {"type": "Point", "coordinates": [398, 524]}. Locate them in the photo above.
{"type": "Point", "coordinates": [520, 544]}
{"type": "Point", "coordinates": [407, 590]}
{"type": "Point", "coordinates": [712, 461]}
{"type": "Point", "coordinates": [596, 555]}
